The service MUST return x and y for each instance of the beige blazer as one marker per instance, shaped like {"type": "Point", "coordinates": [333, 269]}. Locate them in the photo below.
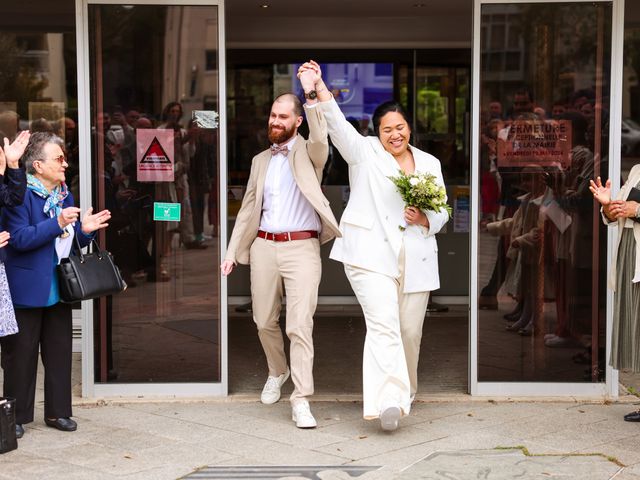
{"type": "Point", "coordinates": [307, 160]}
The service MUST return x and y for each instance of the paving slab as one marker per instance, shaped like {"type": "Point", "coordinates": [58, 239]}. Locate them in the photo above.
{"type": "Point", "coordinates": [507, 465]}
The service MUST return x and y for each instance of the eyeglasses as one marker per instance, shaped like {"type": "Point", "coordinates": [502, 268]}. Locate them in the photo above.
{"type": "Point", "coordinates": [61, 159]}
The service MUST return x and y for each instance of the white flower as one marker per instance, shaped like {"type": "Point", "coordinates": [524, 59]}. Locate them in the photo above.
{"type": "Point", "coordinates": [414, 181]}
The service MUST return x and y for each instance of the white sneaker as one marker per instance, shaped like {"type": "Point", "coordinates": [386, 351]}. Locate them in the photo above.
{"type": "Point", "coordinates": [389, 418]}
{"type": "Point", "coordinates": [301, 414]}
{"type": "Point", "coordinates": [271, 391]}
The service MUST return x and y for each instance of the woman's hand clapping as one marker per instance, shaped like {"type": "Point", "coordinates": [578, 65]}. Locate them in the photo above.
{"type": "Point", "coordinates": [601, 193]}
{"type": "Point", "coordinates": [92, 222]}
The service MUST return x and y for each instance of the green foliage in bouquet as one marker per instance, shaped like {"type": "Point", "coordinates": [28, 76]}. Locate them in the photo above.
{"type": "Point", "coordinates": [421, 190]}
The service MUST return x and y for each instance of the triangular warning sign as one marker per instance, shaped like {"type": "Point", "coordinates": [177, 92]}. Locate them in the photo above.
{"type": "Point", "coordinates": [155, 153]}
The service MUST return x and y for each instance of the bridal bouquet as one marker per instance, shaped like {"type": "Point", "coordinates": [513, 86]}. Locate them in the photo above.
{"type": "Point", "coordinates": [421, 190]}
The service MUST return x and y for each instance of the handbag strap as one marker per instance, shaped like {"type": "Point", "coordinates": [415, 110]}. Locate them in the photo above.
{"type": "Point", "coordinates": [93, 242]}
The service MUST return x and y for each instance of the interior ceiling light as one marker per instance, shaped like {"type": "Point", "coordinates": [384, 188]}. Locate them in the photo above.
{"type": "Point", "coordinates": [264, 5]}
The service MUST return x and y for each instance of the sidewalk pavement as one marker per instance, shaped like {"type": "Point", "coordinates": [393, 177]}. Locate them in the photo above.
{"type": "Point", "coordinates": [237, 437]}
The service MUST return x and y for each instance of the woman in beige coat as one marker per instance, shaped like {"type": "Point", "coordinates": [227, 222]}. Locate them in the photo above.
{"type": "Point", "coordinates": [624, 212]}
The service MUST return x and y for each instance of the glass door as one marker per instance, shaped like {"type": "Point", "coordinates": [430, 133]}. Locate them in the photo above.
{"type": "Point", "coordinates": [152, 95]}
{"type": "Point", "coordinates": [545, 108]}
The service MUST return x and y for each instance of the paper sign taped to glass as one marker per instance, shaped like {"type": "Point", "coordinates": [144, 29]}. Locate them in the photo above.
{"type": "Point", "coordinates": [205, 118]}
{"type": "Point", "coordinates": [155, 155]}
{"type": "Point", "coordinates": [545, 143]}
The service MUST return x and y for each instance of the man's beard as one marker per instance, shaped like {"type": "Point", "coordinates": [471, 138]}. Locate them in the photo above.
{"type": "Point", "coordinates": [280, 136]}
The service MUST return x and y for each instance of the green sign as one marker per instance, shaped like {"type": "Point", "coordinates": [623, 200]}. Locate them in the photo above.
{"type": "Point", "coordinates": [166, 212]}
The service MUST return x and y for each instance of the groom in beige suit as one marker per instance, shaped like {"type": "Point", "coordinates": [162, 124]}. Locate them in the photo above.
{"type": "Point", "coordinates": [283, 220]}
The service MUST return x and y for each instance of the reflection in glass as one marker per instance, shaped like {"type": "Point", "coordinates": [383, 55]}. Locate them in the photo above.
{"type": "Point", "coordinates": [154, 82]}
{"type": "Point", "coordinates": [542, 247]}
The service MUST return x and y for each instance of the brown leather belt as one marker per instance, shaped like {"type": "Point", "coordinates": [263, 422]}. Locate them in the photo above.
{"type": "Point", "coordinates": [288, 236]}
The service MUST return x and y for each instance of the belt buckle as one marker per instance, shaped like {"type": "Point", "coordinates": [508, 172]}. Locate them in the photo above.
{"type": "Point", "coordinates": [287, 237]}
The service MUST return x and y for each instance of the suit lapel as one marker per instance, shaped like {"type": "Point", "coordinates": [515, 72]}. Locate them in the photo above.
{"type": "Point", "coordinates": [299, 144]}
{"type": "Point", "coordinates": [263, 163]}
{"type": "Point", "coordinates": [385, 161]}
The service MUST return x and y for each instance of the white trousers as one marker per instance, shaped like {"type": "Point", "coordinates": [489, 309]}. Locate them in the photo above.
{"type": "Point", "coordinates": [392, 345]}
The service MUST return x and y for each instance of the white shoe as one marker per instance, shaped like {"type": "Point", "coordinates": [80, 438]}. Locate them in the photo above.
{"type": "Point", "coordinates": [301, 414]}
{"type": "Point", "coordinates": [271, 391]}
{"type": "Point", "coordinates": [549, 336]}
{"type": "Point", "coordinates": [389, 418]}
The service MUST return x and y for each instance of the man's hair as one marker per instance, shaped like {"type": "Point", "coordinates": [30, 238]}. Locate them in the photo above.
{"type": "Point", "coordinates": [297, 104]}
{"type": "Point", "coordinates": [35, 147]}
{"type": "Point", "coordinates": [384, 108]}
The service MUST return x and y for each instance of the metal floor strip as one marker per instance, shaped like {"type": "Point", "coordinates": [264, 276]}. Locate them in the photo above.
{"type": "Point", "coordinates": [273, 471]}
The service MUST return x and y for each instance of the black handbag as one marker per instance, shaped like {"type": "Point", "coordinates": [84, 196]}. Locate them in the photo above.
{"type": "Point", "coordinates": [83, 276]}
{"type": "Point", "coordinates": [8, 439]}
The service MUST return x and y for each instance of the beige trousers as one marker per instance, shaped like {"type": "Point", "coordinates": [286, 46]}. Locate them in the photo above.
{"type": "Point", "coordinates": [295, 266]}
{"type": "Point", "coordinates": [392, 345]}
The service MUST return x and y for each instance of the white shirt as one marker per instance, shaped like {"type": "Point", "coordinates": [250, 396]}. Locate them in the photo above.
{"type": "Point", "coordinates": [284, 208]}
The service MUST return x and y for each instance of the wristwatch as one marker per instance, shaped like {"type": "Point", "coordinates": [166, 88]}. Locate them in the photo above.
{"type": "Point", "coordinates": [638, 211]}
{"type": "Point", "coordinates": [311, 95]}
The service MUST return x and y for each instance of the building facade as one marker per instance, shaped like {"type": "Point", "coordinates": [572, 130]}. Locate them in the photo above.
{"type": "Point", "coordinates": [164, 103]}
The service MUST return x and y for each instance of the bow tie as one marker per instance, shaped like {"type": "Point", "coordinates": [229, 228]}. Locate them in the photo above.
{"type": "Point", "coordinates": [276, 149]}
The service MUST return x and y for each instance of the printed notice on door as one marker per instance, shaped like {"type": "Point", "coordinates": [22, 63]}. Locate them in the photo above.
{"type": "Point", "coordinates": [535, 142]}
{"type": "Point", "coordinates": [155, 155]}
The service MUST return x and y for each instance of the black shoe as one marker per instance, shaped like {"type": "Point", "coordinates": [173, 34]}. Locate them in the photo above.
{"type": "Point", "coordinates": [64, 424]}
{"type": "Point", "coordinates": [632, 417]}
{"type": "Point", "coordinates": [19, 430]}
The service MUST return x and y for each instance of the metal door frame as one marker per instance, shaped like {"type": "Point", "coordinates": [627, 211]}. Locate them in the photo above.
{"type": "Point", "coordinates": [610, 387]}
{"type": "Point", "coordinates": [89, 387]}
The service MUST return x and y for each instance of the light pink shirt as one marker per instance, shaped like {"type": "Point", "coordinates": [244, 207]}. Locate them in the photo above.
{"type": "Point", "coordinates": [284, 208]}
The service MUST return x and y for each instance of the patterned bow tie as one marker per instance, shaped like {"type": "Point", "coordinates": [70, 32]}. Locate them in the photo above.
{"type": "Point", "coordinates": [276, 149]}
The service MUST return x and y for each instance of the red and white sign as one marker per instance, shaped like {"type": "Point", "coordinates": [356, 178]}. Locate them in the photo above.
{"type": "Point", "coordinates": [535, 142]}
{"type": "Point", "coordinates": [155, 155]}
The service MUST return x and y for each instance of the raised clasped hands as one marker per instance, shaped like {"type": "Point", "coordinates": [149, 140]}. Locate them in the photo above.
{"type": "Point", "coordinates": [309, 74]}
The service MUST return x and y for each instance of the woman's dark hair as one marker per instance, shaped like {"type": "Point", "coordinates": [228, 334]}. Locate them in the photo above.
{"type": "Point", "coordinates": [384, 108]}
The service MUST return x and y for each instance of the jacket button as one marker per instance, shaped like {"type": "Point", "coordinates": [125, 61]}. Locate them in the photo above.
{"type": "Point", "coordinates": [386, 240]}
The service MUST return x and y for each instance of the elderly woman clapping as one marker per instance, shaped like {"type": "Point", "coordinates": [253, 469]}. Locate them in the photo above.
{"type": "Point", "coordinates": [42, 232]}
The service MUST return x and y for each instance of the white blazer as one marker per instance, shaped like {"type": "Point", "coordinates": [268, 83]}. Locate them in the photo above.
{"type": "Point", "coordinates": [371, 237]}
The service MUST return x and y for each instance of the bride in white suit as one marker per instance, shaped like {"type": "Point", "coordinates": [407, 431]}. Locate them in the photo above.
{"type": "Point", "coordinates": [391, 270]}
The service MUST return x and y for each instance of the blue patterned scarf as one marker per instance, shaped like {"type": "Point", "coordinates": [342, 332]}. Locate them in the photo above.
{"type": "Point", "coordinates": [54, 199]}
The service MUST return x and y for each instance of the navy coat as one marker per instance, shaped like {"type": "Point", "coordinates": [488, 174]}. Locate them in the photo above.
{"type": "Point", "coordinates": [30, 253]}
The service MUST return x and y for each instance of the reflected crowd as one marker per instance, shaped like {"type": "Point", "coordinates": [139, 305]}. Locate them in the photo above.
{"type": "Point", "coordinates": [535, 201]}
